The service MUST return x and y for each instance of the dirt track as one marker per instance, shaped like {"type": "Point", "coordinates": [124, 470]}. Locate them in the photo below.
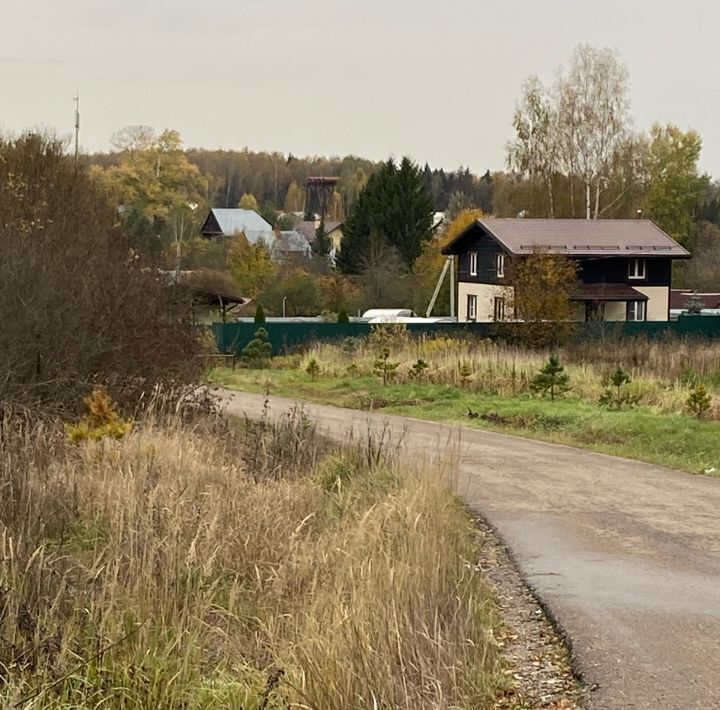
{"type": "Point", "coordinates": [624, 555]}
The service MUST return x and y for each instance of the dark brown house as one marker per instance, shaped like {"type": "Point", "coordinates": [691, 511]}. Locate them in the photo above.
{"type": "Point", "coordinates": [624, 266]}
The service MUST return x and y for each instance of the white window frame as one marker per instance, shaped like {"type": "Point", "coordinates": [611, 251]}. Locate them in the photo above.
{"type": "Point", "coordinates": [637, 269]}
{"type": "Point", "coordinates": [473, 263]}
{"type": "Point", "coordinates": [499, 308]}
{"type": "Point", "coordinates": [637, 311]}
{"type": "Point", "coordinates": [472, 307]}
{"type": "Point", "coordinates": [500, 265]}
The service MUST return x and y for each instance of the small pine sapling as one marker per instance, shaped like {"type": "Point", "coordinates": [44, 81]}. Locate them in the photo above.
{"type": "Point", "coordinates": [383, 368]}
{"type": "Point", "coordinates": [259, 314]}
{"type": "Point", "coordinates": [313, 369]}
{"type": "Point", "coordinates": [465, 374]}
{"type": "Point", "coordinates": [699, 402]}
{"type": "Point", "coordinates": [343, 316]}
{"type": "Point", "coordinates": [258, 351]}
{"type": "Point", "coordinates": [616, 392]}
{"type": "Point", "coordinates": [551, 379]}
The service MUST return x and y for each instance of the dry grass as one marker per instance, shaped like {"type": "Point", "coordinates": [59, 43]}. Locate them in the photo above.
{"type": "Point", "coordinates": [663, 372]}
{"type": "Point", "coordinates": [245, 567]}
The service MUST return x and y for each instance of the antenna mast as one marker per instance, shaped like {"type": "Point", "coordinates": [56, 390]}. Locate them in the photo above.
{"type": "Point", "coordinates": [76, 99]}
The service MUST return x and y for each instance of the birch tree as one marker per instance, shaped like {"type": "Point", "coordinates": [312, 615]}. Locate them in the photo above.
{"type": "Point", "coordinates": [593, 105]}
{"type": "Point", "coordinates": [535, 150]}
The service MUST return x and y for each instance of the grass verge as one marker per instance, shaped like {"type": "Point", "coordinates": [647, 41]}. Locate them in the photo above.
{"type": "Point", "coordinates": [668, 439]}
{"type": "Point", "coordinates": [248, 566]}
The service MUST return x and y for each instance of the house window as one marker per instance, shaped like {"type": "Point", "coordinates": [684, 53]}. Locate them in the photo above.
{"type": "Point", "coordinates": [500, 265]}
{"type": "Point", "coordinates": [637, 269]}
{"type": "Point", "coordinates": [499, 308]}
{"type": "Point", "coordinates": [636, 310]}
{"type": "Point", "coordinates": [473, 263]}
{"type": "Point", "coordinates": [472, 308]}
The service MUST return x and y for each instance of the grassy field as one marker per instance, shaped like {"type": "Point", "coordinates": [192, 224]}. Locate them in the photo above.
{"type": "Point", "coordinates": [246, 566]}
{"type": "Point", "coordinates": [493, 381]}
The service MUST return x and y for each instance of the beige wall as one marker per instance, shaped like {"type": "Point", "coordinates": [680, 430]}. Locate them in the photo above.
{"type": "Point", "coordinates": [657, 304]}
{"type": "Point", "coordinates": [658, 301]}
{"type": "Point", "coordinates": [486, 294]}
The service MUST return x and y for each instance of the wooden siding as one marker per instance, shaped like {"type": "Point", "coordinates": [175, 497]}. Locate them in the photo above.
{"type": "Point", "coordinates": [615, 270]}
{"type": "Point", "coordinates": [487, 250]}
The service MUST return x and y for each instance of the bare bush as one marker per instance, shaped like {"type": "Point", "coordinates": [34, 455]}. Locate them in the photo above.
{"type": "Point", "coordinates": [76, 306]}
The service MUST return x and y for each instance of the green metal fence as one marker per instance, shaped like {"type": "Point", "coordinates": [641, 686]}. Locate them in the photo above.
{"type": "Point", "coordinates": [233, 337]}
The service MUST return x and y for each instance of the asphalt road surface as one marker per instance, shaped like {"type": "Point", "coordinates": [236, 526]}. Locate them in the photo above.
{"type": "Point", "coordinates": [624, 555]}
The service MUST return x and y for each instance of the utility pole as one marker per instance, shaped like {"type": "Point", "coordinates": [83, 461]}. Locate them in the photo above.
{"type": "Point", "coordinates": [76, 99]}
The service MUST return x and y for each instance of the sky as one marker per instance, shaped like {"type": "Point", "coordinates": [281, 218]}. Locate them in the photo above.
{"type": "Point", "coordinates": [434, 79]}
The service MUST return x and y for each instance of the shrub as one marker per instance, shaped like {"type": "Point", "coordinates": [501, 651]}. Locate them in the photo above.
{"type": "Point", "coordinates": [699, 402]}
{"type": "Point", "coordinates": [102, 419]}
{"type": "Point", "coordinates": [259, 314]}
{"type": "Point", "coordinates": [258, 351]}
{"type": "Point", "coordinates": [552, 379]}
{"type": "Point", "coordinates": [77, 304]}
{"type": "Point", "coordinates": [343, 316]}
{"type": "Point", "coordinates": [465, 373]}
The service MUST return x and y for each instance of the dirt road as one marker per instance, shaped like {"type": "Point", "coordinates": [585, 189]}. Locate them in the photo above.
{"type": "Point", "coordinates": [624, 555]}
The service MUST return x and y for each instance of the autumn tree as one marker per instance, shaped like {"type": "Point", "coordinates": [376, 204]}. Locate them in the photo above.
{"type": "Point", "coordinates": [250, 266]}
{"type": "Point", "coordinates": [157, 192]}
{"type": "Point", "coordinates": [248, 202]}
{"type": "Point", "coordinates": [536, 150]}
{"type": "Point", "coordinates": [592, 106]}
{"type": "Point", "coordinates": [394, 207]}
{"type": "Point", "coordinates": [676, 189]}
{"type": "Point", "coordinates": [576, 128]}
{"type": "Point", "coordinates": [295, 198]}
{"type": "Point", "coordinates": [429, 265]}
{"type": "Point", "coordinates": [542, 285]}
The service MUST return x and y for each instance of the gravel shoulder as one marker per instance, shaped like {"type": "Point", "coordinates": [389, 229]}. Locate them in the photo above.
{"type": "Point", "coordinates": [624, 556]}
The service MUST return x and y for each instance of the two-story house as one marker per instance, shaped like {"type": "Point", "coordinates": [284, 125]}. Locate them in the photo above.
{"type": "Point", "coordinates": [624, 266]}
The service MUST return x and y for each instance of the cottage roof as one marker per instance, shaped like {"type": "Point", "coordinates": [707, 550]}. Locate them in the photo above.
{"type": "Point", "coordinates": [235, 221]}
{"type": "Point", "coordinates": [289, 243]}
{"type": "Point", "coordinates": [576, 237]}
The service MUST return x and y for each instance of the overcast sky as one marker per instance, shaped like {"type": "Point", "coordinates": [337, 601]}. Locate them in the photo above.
{"type": "Point", "coordinates": [434, 79]}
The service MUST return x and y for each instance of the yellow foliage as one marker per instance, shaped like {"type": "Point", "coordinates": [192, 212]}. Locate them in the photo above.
{"type": "Point", "coordinates": [102, 420]}
{"type": "Point", "coordinates": [460, 224]}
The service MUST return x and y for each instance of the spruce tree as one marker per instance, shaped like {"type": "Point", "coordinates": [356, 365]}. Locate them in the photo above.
{"type": "Point", "coordinates": [394, 205]}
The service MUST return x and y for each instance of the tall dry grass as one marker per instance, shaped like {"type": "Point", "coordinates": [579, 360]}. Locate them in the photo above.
{"type": "Point", "coordinates": [235, 567]}
{"type": "Point", "coordinates": [663, 371]}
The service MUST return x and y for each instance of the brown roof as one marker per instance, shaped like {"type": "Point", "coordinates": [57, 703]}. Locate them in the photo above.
{"type": "Point", "coordinates": [607, 292]}
{"type": "Point", "coordinates": [578, 237]}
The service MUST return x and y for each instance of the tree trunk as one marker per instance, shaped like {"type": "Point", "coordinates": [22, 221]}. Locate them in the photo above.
{"type": "Point", "coordinates": [597, 199]}
{"type": "Point", "coordinates": [587, 199]}
{"type": "Point", "coordinates": [551, 196]}
{"type": "Point", "coordinates": [572, 196]}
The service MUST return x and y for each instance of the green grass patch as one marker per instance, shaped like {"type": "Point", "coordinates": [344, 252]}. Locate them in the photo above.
{"type": "Point", "coordinates": [674, 440]}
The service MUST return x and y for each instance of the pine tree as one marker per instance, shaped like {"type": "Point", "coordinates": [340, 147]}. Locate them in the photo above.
{"type": "Point", "coordinates": [259, 314]}
{"type": "Point", "coordinates": [258, 351]}
{"type": "Point", "coordinates": [552, 379]}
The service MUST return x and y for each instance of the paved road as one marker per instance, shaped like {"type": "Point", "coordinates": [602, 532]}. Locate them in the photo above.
{"type": "Point", "coordinates": [625, 555]}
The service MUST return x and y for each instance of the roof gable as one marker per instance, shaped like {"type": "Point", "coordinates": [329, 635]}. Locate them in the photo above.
{"type": "Point", "coordinates": [235, 221]}
{"type": "Point", "coordinates": [576, 237]}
